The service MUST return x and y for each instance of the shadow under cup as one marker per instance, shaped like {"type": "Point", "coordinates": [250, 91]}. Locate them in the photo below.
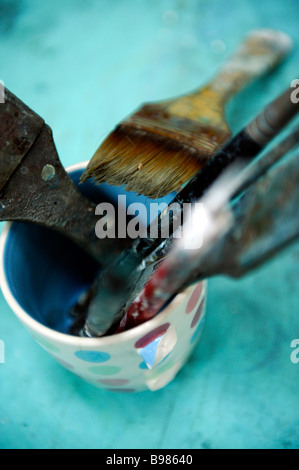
{"type": "Point", "coordinates": [42, 276]}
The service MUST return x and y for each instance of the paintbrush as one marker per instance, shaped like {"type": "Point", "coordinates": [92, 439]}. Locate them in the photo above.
{"type": "Point", "coordinates": [137, 313]}
{"type": "Point", "coordinates": [162, 145]}
{"type": "Point", "coordinates": [236, 239]}
{"type": "Point", "coordinates": [34, 186]}
{"type": "Point", "coordinates": [115, 286]}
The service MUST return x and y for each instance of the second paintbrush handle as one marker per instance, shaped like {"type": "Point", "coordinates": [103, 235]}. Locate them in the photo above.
{"type": "Point", "coordinates": [245, 145]}
{"type": "Point", "coordinates": [261, 51]}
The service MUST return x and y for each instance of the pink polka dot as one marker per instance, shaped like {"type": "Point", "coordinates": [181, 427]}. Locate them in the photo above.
{"type": "Point", "coordinates": [152, 335]}
{"type": "Point", "coordinates": [197, 314]}
{"type": "Point", "coordinates": [194, 298]}
{"type": "Point", "coordinates": [113, 382]}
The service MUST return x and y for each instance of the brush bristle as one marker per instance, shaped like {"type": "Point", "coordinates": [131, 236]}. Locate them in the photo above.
{"type": "Point", "coordinates": [146, 162]}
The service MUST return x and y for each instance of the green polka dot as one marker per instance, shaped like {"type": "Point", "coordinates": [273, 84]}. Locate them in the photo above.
{"type": "Point", "coordinates": [104, 370]}
{"type": "Point", "coordinates": [154, 373]}
{"type": "Point", "coordinates": [47, 344]}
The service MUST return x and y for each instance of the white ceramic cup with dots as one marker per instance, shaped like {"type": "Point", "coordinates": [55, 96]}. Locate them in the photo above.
{"type": "Point", "coordinates": [41, 274]}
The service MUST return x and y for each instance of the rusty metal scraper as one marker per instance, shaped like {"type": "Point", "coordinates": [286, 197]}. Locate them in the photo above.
{"type": "Point", "coordinates": [34, 186]}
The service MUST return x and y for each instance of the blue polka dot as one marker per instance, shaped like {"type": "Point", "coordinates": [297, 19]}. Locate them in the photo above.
{"type": "Point", "coordinates": [93, 356]}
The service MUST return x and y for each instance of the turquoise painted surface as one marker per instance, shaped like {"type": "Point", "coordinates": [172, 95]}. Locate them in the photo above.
{"type": "Point", "coordinates": [84, 65]}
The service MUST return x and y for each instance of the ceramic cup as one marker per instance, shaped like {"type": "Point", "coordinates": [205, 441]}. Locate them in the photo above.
{"type": "Point", "coordinates": [42, 275]}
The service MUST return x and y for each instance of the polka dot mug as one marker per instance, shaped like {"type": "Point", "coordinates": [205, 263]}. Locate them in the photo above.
{"type": "Point", "coordinates": [41, 276]}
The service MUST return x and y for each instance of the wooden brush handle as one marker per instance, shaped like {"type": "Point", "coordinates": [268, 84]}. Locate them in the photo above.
{"type": "Point", "coordinates": [260, 52]}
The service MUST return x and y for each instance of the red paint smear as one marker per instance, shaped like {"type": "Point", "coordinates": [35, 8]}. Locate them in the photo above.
{"type": "Point", "coordinates": [150, 301]}
{"type": "Point", "coordinates": [197, 314]}
{"type": "Point", "coordinates": [113, 382]}
{"type": "Point", "coordinates": [194, 299]}
{"type": "Point", "coordinates": [151, 336]}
